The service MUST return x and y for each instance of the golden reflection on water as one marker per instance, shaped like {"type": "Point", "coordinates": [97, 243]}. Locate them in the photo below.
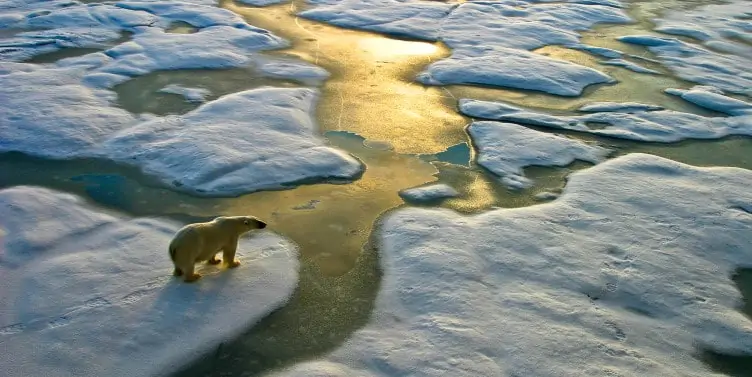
{"type": "Point", "coordinates": [370, 91]}
{"type": "Point", "coordinates": [330, 223]}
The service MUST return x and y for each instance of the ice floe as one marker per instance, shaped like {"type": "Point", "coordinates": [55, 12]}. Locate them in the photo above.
{"type": "Point", "coordinates": [90, 293]}
{"type": "Point", "coordinates": [254, 140]}
{"type": "Point", "coordinates": [697, 64]}
{"type": "Point", "coordinates": [505, 149]}
{"type": "Point", "coordinates": [429, 193]}
{"type": "Point", "coordinates": [627, 123]}
{"type": "Point", "coordinates": [722, 59]}
{"type": "Point", "coordinates": [622, 107]}
{"type": "Point", "coordinates": [627, 274]}
{"type": "Point", "coordinates": [150, 47]}
{"type": "Point", "coordinates": [190, 94]}
{"type": "Point", "coordinates": [630, 66]}
{"type": "Point", "coordinates": [711, 98]}
{"type": "Point", "coordinates": [490, 41]}
{"type": "Point", "coordinates": [49, 113]}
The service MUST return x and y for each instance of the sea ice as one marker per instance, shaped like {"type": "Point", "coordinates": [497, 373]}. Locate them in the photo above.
{"type": "Point", "coordinates": [664, 126]}
{"type": "Point", "coordinates": [90, 293]}
{"type": "Point", "coordinates": [710, 98]}
{"type": "Point", "coordinates": [513, 68]}
{"type": "Point", "coordinates": [627, 274]}
{"type": "Point", "coordinates": [505, 149]}
{"type": "Point", "coordinates": [254, 140]}
{"type": "Point", "coordinates": [248, 141]}
{"type": "Point", "coordinates": [630, 66]}
{"type": "Point", "coordinates": [429, 193]}
{"type": "Point", "coordinates": [190, 94]}
{"type": "Point", "coordinates": [490, 41]}
{"type": "Point", "coordinates": [621, 107]}
{"type": "Point", "coordinates": [48, 113]}
{"type": "Point", "coordinates": [697, 64]}
{"type": "Point", "coordinates": [150, 48]}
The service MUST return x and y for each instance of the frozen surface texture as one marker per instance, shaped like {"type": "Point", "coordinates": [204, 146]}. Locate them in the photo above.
{"type": "Point", "coordinates": [429, 193]}
{"type": "Point", "coordinates": [621, 107]}
{"type": "Point", "coordinates": [259, 139]}
{"type": "Point", "coordinates": [190, 94]}
{"type": "Point", "coordinates": [630, 66]}
{"type": "Point", "coordinates": [721, 59]}
{"type": "Point", "coordinates": [625, 274]}
{"type": "Point", "coordinates": [48, 113]}
{"type": "Point", "coordinates": [505, 149]}
{"type": "Point", "coordinates": [248, 141]}
{"type": "Point", "coordinates": [625, 122]}
{"type": "Point", "coordinates": [150, 47]}
{"type": "Point", "coordinates": [490, 41]}
{"type": "Point", "coordinates": [713, 99]}
{"type": "Point", "coordinates": [87, 293]}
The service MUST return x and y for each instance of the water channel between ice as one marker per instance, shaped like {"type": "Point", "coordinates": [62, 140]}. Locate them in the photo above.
{"type": "Point", "coordinates": [371, 108]}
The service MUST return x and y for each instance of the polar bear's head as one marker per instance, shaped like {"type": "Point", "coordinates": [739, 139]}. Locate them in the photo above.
{"type": "Point", "coordinates": [243, 223]}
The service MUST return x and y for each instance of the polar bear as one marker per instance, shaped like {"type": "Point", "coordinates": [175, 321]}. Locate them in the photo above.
{"type": "Point", "coordinates": [200, 242]}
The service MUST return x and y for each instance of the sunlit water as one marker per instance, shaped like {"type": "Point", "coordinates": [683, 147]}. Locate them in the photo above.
{"type": "Point", "coordinates": [407, 134]}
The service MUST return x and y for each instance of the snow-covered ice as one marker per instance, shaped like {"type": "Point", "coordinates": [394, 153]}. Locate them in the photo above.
{"type": "Point", "coordinates": [632, 66]}
{"type": "Point", "coordinates": [248, 141]}
{"type": "Point", "coordinates": [49, 113]}
{"type": "Point", "coordinates": [254, 140]}
{"type": "Point", "coordinates": [697, 64]}
{"type": "Point", "coordinates": [664, 126]}
{"type": "Point", "coordinates": [712, 99]}
{"type": "Point", "coordinates": [90, 293]}
{"type": "Point", "coordinates": [513, 68]}
{"type": "Point", "coordinates": [150, 48]}
{"type": "Point", "coordinates": [625, 274]}
{"type": "Point", "coordinates": [190, 94]}
{"type": "Point", "coordinates": [505, 149]}
{"type": "Point", "coordinates": [621, 107]}
{"type": "Point", "coordinates": [416, 19]}
{"type": "Point", "coordinates": [721, 59]}
{"type": "Point", "coordinates": [490, 41]}
{"type": "Point", "coordinates": [429, 193]}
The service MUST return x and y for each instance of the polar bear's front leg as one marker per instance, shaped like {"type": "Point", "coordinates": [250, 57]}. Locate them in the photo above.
{"type": "Point", "coordinates": [190, 276]}
{"type": "Point", "coordinates": [228, 254]}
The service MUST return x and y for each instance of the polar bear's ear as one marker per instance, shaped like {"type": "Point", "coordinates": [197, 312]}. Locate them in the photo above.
{"type": "Point", "coordinates": [246, 222]}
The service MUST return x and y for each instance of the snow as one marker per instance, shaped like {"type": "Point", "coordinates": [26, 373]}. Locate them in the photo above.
{"type": "Point", "coordinates": [89, 293]}
{"type": "Point", "coordinates": [665, 126]}
{"type": "Point", "coordinates": [723, 30]}
{"type": "Point", "coordinates": [710, 98]}
{"type": "Point", "coordinates": [622, 107]}
{"type": "Point", "coordinates": [284, 68]}
{"type": "Point", "coordinates": [521, 70]}
{"type": "Point", "coordinates": [505, 149]}
{"type": "Point", "coordinates": [261, 3]}
{"type": "Point", "coordinates": [490, 41]}
{"type": "Point", "coordinates": [255, 140]}
{"type": "Point", "coordinates": [600, 51]}
{"type": "Point", "coordinates": [151, 47]}
{"type": "Point", "coordinates": [154, 49]}
{"type": "Point", "coordinates": [415, 19]}
{"type": "Point", "coordinates": [626, 274]}
{"type": "Point", "coordinates": [432, 192]}
{"type": "Point", "coordinates": [190, 94]}
{"type": "Point", "coordinates": [48, 113]}
{"type": "Point", "coordinates": [248, 141]}
{"type": "Point", "coordinates": [697, 64]}
{"type": "Point", "coordinates": [64, 110]}
{"type": "Point", "coordinates": [630, 66]}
